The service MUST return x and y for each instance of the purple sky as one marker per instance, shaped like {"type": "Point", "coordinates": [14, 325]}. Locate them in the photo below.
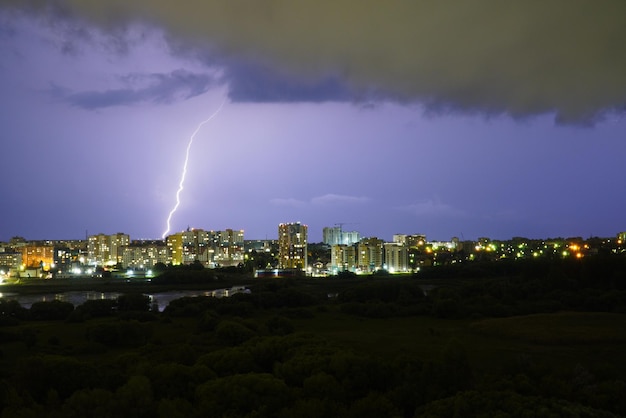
{"type": "Point", "coordinates": [410, 117]}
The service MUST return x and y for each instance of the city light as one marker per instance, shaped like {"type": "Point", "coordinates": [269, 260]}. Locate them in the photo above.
{"type": "Point", "coordinates": [215, 249]}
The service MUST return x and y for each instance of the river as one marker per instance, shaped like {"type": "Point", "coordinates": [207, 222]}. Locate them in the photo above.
{"type": "Point", "coordinates": [161, 299]}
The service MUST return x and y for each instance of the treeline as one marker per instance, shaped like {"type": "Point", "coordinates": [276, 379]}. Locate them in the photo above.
{"type": "Point", "coordinates": [593, 284]}
{"type": "Point", "coordinates": [495, 289]}
{"type": "Point", "coordinates": [601, 271]}
{"type": "Point", "coordinates": [244, 356]}
{"type": "Point", "coordinates": [197, 274]}
{"type": "Point", "coordinates": [11, 312]}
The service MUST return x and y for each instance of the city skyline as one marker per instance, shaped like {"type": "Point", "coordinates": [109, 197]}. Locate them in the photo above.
{"type": "Point", "coordinates": [195, 248]}
{"type": "Point", "coordinates": [444, 120]}
{"type": "Point", "coordinates": [351, 237]}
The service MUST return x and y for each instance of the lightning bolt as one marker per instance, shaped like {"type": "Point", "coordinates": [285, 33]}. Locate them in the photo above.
{"type": "Point", "coordinates": [184, 173]}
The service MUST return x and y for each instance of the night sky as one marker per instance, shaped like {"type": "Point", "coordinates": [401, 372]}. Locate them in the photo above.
{"type": "Point", "coordinates": [468, 119]}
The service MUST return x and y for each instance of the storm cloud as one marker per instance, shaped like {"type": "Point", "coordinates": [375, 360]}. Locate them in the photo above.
{"type": "Point", "coordinates": [518, 58]}
{"type": "Point", "coordinates": [139, 88]}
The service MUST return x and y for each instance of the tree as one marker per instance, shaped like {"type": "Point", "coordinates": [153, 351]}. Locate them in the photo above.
{"type": "Point", "coordinates": [233, 333]}
{"type": "Point", "coordinates": [135, 398]}
{"type": "Point", "coordinates": [160, 267]}
{"type": "Point", "coordinates": [97, 307]}
{"type": "Point", "coordinates": [10, 308]}
{"type": "Point", "coordinates": [251, 394]}
{"type": "Point", "coordinates": [133, 302]}
{"type": "Point", "coordinates": [279, 325]}
{"type": "Point", "coordinates": [52, 310]}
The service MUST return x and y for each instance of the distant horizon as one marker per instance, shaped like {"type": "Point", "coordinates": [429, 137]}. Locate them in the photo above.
{"type": "Point", "coordinates": [564, 237]}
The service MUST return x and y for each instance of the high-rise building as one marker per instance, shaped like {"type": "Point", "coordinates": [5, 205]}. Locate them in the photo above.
{"type": "Point", "coordinates": [145, 254]}
{"type": "Point", "coordinates": [211, 248]}
{"type": "Point", "coordinates": [370, 254]}
{"type": "Point", "coordinates": [342, 258]}
{"type": "Point", "coordinates": [118, 242]}
{"type": "Point", "coordinates": [97, 249]}
{"type": "Point", "coordinates": [190, 246]}
{"type": "Point", "coordinates": [65, 257]}
{"type": "Point", "coordinates": [411, 241]}
{"type": "Point", "coordinates": [332, 235]}
{"type": "Point", "coordinates": [10, 260]}
{"type": "Point", "coordinates": [350, 237]}
{"type": "Point", "coordinates": [106, 249]}
{"type": "Point", "coordinates": [229, 247]}
{"type": "Point", "coordinates": [337, 236]}
{"type": "Point", "coordinates": [292, 246]}
{"type": "Point", "coordinates": [396, 257]}
{"type": "Point", "coordinates": [34, 256]}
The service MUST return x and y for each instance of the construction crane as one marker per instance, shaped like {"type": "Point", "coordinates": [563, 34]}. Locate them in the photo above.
{"type": "Point", "coordinates": [341, 224]}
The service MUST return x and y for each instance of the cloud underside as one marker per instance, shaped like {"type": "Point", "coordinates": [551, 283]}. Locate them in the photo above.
{"type": "Point", "coordinates": [140, 88]}
{"type": "Point", "coordinates": [520, 58]}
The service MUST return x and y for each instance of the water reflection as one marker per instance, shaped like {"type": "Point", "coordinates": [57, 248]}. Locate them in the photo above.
{"type": "Point", "coordinates": [76, 298]}
{"type": "Point", "coordinates": [162, 299]}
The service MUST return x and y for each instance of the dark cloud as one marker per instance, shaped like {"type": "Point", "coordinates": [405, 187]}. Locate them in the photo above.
{"type": "Point", "coordinates": [520, 57]}
{"type": "Point", "coordinates": [253, 82]}
{"type": "Point", "coordinates": [140, 88]}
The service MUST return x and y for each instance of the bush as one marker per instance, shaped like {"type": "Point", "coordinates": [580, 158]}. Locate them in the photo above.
{"type": "Point", "coordinates": [120, 334]}
{"type": "Point", "coordinates": [251, 394]}
{"type": "Point", "coordinates": [234, 308]}
{"type": "Point", "coordinates": [371, 310]}
{"type": "Point", "coordinates": [404, 293]}
{"type": "Point", "coordinates": [97, 307]}
{"type": "Point", "coordinates": [10, 308]}
{"type": "Point", "coordinates": [301, 313]}
{"type": "Point", "coordinates": [53, 310]}
{"type": "Point", "coordinates": [190, 306]}
{"type": "Point", "coordinates": [140, 316]}
{"type": "Point", "coordinates": [505, 403]}
{"type": "Point", "coordinates": [446, 308]}
{"type": "Point", "coordinates": [233, 333]}
{"type": "Point", "coordinates": [38, 375]}
{"type": "Point", "coordinates": [229, 361]}
{"type": "Point", "coordinates": [279, 325]}
{"type": "Point", "coordinates": [208, 321]}
{"type": "Point", "coordinates": [133, 302]}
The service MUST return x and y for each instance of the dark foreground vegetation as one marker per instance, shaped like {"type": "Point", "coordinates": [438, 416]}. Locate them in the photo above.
{"type": "Point", "coordinates": [536, 339]}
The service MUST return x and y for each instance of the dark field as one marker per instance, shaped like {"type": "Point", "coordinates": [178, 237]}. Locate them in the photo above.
{"type": "Point", "coordinates": [377, 347]}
